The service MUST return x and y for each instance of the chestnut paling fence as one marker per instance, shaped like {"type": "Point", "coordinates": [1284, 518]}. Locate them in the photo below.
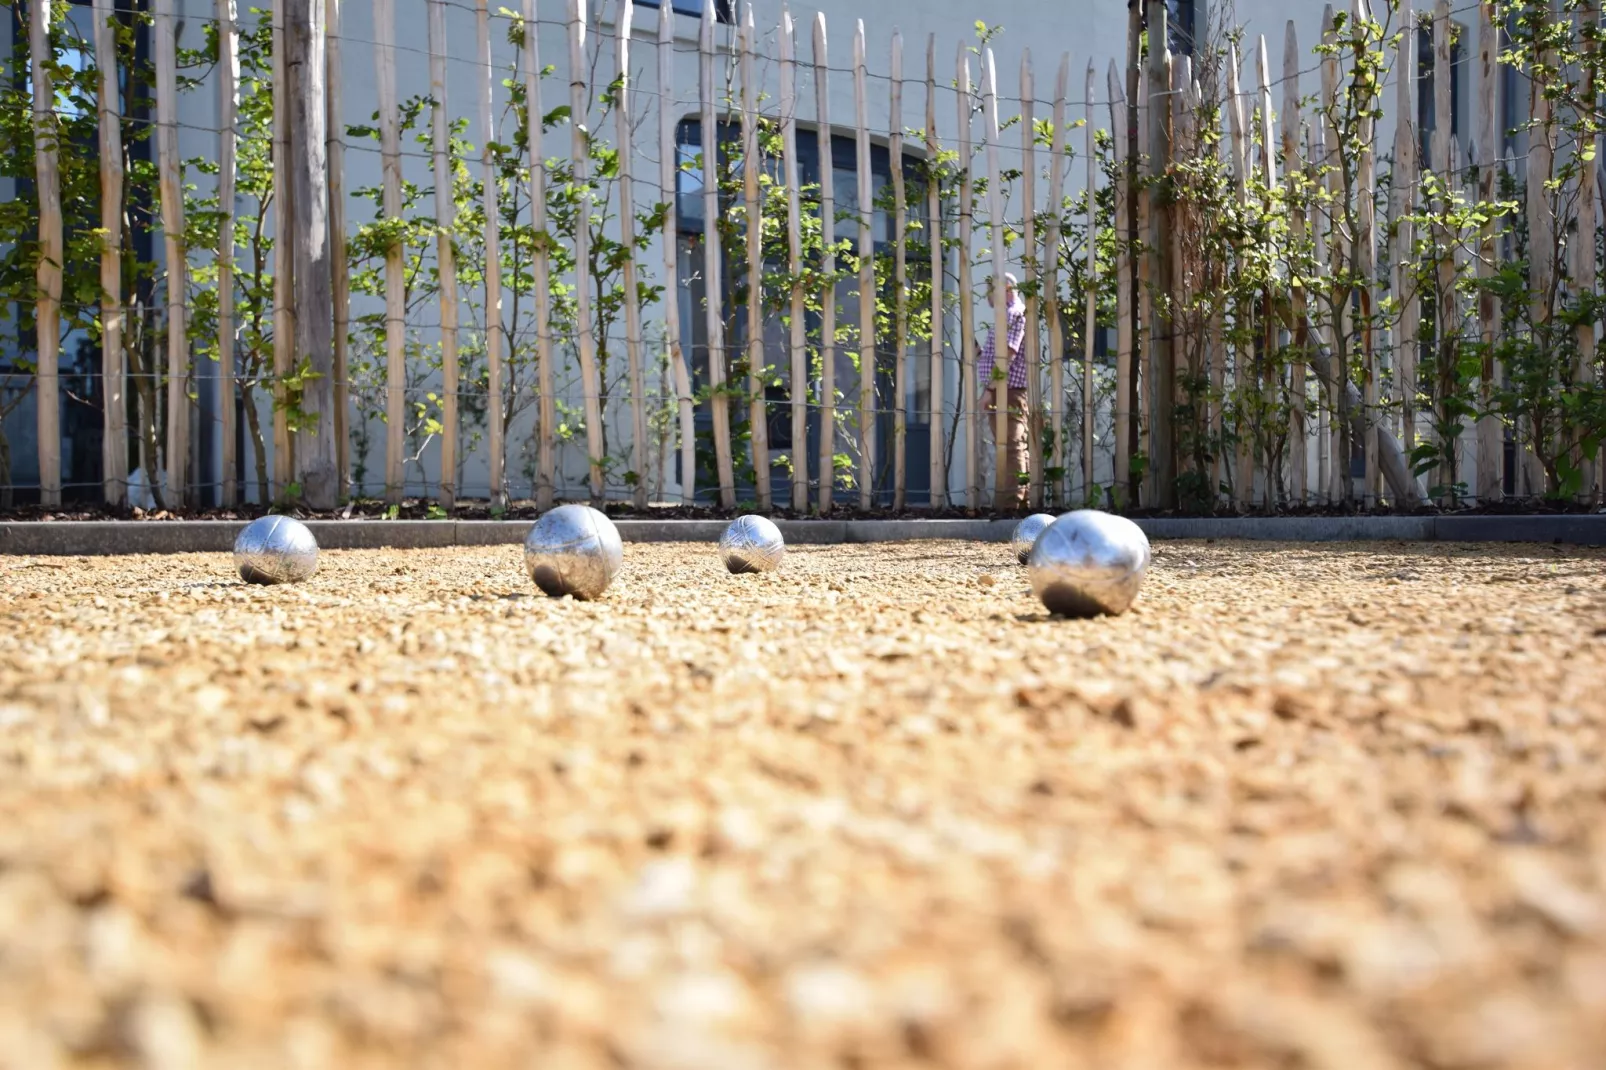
{"type": "Point", "coordinates": [1234, 293]}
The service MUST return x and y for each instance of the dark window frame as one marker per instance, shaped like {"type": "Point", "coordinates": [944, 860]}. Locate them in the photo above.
{"type": "Point", "coordinates": [724, 10]}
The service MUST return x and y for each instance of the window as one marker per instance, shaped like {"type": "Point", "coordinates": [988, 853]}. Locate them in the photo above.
{"type": "Point", "coordinates": [1180, 22]}
{"type": "Point", "coordinates": [1426, 85]}
{"type": "Point", "coordinates": [690, 222]}
{"type": "Point", "coordinates": [724, 10]}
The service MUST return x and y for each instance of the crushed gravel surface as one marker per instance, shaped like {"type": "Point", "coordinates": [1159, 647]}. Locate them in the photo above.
{"type": "Point", "coordinates": [1336, 807]}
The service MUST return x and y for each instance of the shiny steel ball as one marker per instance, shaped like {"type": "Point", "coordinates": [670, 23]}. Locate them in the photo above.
{"type": "Point", "coordinates": [1026, 533]}
{"type": "Point", "coordinates": [752, 544]}
{"type": "Point", "coordinates": [1089, 563]}
{"type": "Point", "coordinates": [275, 549]}
{"type": "Point", "coordinates": [573, 550]}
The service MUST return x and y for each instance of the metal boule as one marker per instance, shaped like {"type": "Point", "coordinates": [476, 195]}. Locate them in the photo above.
{"type": "Point", "coordinates": [1089, 563]}
{"type": "Point", "coordinates": [275, 549]}
{"type": "Point", "coordinates": [1026, 533]}
{"type": "Point", "coordinates": [573, 550]}
{"type": "Point", "coordinates": [752, 544]}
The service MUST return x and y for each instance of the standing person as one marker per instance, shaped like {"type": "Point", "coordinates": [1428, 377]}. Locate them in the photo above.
{"type": "Point", "coordinates": [1014, 381]}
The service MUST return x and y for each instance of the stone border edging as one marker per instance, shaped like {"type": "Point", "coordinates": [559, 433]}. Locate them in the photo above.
{"type": "Point", "coordinates": [71, 538]}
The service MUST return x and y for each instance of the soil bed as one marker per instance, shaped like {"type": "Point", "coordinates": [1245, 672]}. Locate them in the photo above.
{"type": "Point", "coordinates": [1338, 807]}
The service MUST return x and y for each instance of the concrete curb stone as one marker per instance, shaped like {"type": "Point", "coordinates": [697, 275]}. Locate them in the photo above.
{"type": "Point", "coordinates": [99, 537]}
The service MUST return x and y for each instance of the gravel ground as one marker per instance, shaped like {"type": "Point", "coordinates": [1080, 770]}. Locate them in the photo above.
{"type": "Point", "coordinates": [1338, 807]}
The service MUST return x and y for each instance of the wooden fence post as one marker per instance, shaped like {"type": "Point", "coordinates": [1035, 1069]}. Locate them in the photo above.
{"type": "Point", "coordinates": [1032, 343]}
{"type": "Point", "coordinates": [172, 198]}
{"type": "Point", "coordinates": [1050, 274]}
{"type": "Point", "coordinates": [114, 446]}
{"type": "Point", "coordinates": [228, 76]}
{"type": "Point", "coordinates": [1243, 483]}
{"type": "Point", "coordinates": [669, 174]}
{"type": "Point", "coordinates": [284, 323]}
{"type": "Point", "coordinates": [627, 237]}
{"type": "Point", "coordinates": [395, 266]}
{"type": "Point", "coordinates": [969, 392]}
{"type": "Point", "coordinates": [445, 252]}
{"type": "Point", "coordinates": [1005, 478]}
{"type": "Point", "coordinates": [47, 177]}
{"type": "Point", "coordinates": [1490, 430]}
{"type": "Point", "coordinates": [900, 285]}
{"type": "Point", "coordinates": [1124, 410]}
{"type": "Point", "coordinates": [1343, 486]}
{"type": "Point", "coordinates": [1366, 208]}
{"type": "Point", "coordinates": [312, 285]}
{"type": "Point", "coordinates": [798, 387]}
{"type": "Point", "coordinates": [580, 159]}
{"type": "Point", "coordinates": [1162, 367]}
{"type": "Point", "coordinates": [1297, 439]}
{"type": "Point", "coordinates": [758, 414]}
{"type": "Point", "coordinates": [867, 333]}
{"type": "Point", "coordinates": [822, 101]}
{"type": "Point", "coordinates": [713, 275]}
{"type": "Point", "coordinates": [1583, 246]}
{"type": "Point", "coordinates": [1447, 316]}
{"type": "Point", "coordinates": [486, 77]}
{"type": "Point", "coordinates": [1405, 191]}
{"type": "Point", "coordinates": [939, 431]}
{"type": "Point", "coordinates": [1091, 319]}
{"type": "Point", "coordinates": [541, 267]}
{"type": "Point", "coordinates": [339, 270]}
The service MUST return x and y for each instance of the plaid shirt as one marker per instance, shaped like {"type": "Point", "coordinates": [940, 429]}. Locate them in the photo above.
{"type": "Point", "coordinates": [1017, 361]}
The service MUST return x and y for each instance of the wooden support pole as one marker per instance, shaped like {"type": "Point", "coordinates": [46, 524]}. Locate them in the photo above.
{"type": "Point", "coordinates": [1366, 262]}
{"type": "Point", "coordinates": [340, 271]}
{"type": "Point", "coordinates": [1541, 236]}
{"type": "Point", "coordinates": [1125, 410]}
{"type": "Point", "coordinates": [445, 253]}
{"type": "Point", "coordinates": [668, 178]}
{"type": "Point", "coordinates": [172, 197]}
{"type": "Point", "coordinates": [1050, 274]}
{"type": "Point", "coordinates": [487, 79]}
{"type": "Point", "coordinates": [822, 104]}
{"type": "Point", "coordinates": [1404, 252]}
{"type": "Point", "coordinates": [1243, 483]}
{"type": "Point", "coordinates": [936, 417]}
{"type": "Point", "coordinates": [627, 238]}
{"type": "Point", "coordinates": [900, 286]}
{"type": "Point", "coordinates": [228, 79]}
{"type": "Point", "coordinates": [1291, 165]}
{"type": "Point", "coordinates": [1269, 382]}
{"type": "Point", "coordinates": [114, 444]}
{"type": "Point", "coordinates": [1490, 139]}
{"type": "Point", "coordinates": [1090, 322]}
{"type": "Point", "coordinates": [1342, 488]}
{"type": "Point", "coordinates": [312, 283]}
{"type": "Point", "coordinates": [969, 390]}
{"type": "Point", "coordinates": [546, 423]}
{"type": "Point", "coordinates": [395, 264]}
{"type": "Point", "coordinates": [1162, 366]}
{"type": "Point", "coordinates": [1033, 342]}
{"type": "Point", "coordinates": [47, 178]}
{"type": "Point", "coordinates": [284, 322]}
{"type": "Point", "coordinates": [1447, 317]}
{"type": "Point", "coordinates": [713, 276]}
{"type": "Point", "coordinates": [1005, 478]}
{"type": "Point", "coordinates": [580, 160]}
{"type": "Point", "coordinates": [1582, 269]}
{"type": "Point", "coordinates": [867, 332]}
{"type": "Point", "coordinates": [798, 387]}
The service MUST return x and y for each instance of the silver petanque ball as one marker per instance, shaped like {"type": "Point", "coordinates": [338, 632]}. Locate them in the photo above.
{"type": "Point", "coordinates": [275, 549]}
{"type": "Point", "coordinates": [752, 544]}
{"type": "Point", "coordinates": [573, 550]}
{"type": "Point", "coordinates": [1026, 533]}
{"type": "Point", "coordinates": [1089, 563]}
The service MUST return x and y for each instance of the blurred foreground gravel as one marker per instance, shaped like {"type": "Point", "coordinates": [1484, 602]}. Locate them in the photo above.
{"type": "Point", "coordinates": [1331, 807]}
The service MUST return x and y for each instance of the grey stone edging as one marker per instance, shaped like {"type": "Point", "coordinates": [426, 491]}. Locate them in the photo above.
{"type": "Point", "coordinates": [97, 537]}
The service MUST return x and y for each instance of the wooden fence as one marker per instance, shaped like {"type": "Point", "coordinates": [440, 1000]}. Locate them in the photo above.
{"type": "Point", "coordinates": [1238, 390]}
